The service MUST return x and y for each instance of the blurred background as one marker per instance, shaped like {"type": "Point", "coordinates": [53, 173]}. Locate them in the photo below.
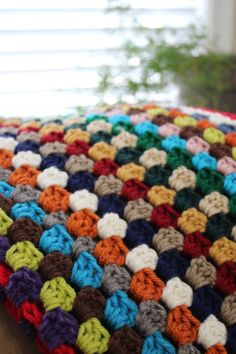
{"type": "Point", "coordinates": [59, 56]}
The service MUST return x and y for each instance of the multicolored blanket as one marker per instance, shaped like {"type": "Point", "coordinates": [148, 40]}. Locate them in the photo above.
{"type": "Point", "coordinates": [118, 231]}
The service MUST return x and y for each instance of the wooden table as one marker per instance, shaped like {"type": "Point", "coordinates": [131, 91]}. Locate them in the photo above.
{"type": "Point", "coordinates": [12, 338]}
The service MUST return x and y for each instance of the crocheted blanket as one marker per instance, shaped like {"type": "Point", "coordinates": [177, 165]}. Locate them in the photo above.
{"type": "Point", "coordinates": [118, 231]}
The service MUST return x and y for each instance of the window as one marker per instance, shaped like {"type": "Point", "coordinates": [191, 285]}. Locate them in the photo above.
{"type": "Point", "coordinates": [51, 50]}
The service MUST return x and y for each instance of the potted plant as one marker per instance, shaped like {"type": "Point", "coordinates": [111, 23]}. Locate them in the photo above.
{"type": "Point", "coordinates": [186, 58]}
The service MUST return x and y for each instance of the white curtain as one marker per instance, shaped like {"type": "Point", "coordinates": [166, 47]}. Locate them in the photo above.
{"type": "Point", "coordinates": [51, 50]}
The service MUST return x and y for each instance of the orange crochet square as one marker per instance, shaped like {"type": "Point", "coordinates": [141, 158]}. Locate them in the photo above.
{"type": "Point", "coordinates": [54, 198]}
{"type": "Point", "coordinates": [111, 251]}
{"type": "Point", "coordinates": [83, 223]}
{"type": "Point", "coordinates": [182, 326]}
{"type": "Point", "coordinates": [145, 285]}
{"type": "Point", "coordinates": [5, 158]}
{"type": "Point", "coordinates": [24, 174]}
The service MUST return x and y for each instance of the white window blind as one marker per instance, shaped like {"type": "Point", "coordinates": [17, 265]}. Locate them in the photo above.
{"type": "Point", "coordinates": [51, 50]}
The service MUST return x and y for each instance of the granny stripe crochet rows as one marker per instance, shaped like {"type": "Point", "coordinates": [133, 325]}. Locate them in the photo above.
{"type": "Point", "coordinates": [118, 231]}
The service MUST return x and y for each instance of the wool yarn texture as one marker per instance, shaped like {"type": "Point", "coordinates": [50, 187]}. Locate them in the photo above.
{"type": "Point", "coordinates": [118, 230]}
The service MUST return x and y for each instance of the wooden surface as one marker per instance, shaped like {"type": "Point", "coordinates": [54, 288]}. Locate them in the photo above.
{"type": "Point", "coordinates": [12, 338]}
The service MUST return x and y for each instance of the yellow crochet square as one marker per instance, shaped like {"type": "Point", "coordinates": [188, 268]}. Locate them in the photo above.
{"type": "Point", "coordinates": [76, 134]}
{"type": "Point", "coordinates": [192, 220]}
{"type": "Point", "coordinates": [159, 195]}
{"type": "Point", "coordinates": [23, 254]}
{"type": "Point", "coordinates": [5, 222]}
{"type": "Point", "coordinates": [223, 250]}
{"type": "Point", "coordinates": [131, 171]}
{"type": "Point", "coordinates": [185, 121]}
{"type": "Point", "coordinates": [102, 150]}
{"type": "Point", "coordinates": [51, 127]}
{"type": "Point", "coordinates": [57, 293]}
{"type": "Point", "coordinates": [93, 337]}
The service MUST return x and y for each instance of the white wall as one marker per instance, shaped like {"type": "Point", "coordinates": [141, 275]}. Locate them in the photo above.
{"type": "Point", "coordinates": [221, 21]}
